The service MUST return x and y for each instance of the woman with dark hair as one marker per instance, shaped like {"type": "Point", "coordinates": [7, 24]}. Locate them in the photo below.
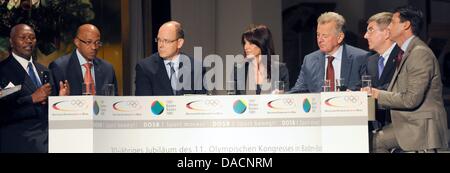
{"type": "Point", "coordinates": [261, 62]}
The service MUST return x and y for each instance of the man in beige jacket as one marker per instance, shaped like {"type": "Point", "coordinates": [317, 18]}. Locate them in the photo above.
{"type": "Point", "coordinates": [414, 95]}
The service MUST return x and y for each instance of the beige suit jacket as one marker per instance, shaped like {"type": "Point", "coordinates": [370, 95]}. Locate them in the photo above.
{"type": "Point", "coordinates": [414, 98]}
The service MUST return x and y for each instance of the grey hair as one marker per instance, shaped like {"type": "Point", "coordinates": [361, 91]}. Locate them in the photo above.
{"type": "Point", "coordinates": [328, 17]}
{"type": "Point", "coordinates": [383, 19]}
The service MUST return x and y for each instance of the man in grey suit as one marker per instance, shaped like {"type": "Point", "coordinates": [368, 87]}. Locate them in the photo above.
{"type": "Point", "coordinates": [414, 95]}
{"type": "Point", "coordinates": [334, 60]}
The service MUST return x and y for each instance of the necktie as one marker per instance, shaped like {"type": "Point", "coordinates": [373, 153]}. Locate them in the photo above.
{"type": "Point", "coordinates": [380, 66]}
{"type": "Point", "coordinates": [33, 76]}
{"type": "Point", "coordinates": [330, 72]}
{"type": "Point", "coordinates": [88, 80]}
{"type": "Point", "coordinates": [172, 78]}
{"type": "Point", "coordinates": [398, 58]}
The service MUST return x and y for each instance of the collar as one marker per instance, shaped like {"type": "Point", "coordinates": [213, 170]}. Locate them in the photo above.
{"type": "Point", "coordinates": [387, 53]}
{"type": "Point", "coordinates": [406, 44]}
{"type": "Point", "coordinates": [22, 61]}
{"type": "Point", "coordinates": [175, 61]}
{"type": "Point", "coordinates": [338, 54]}
{"type": "Point", "coordinates": [81, 58]}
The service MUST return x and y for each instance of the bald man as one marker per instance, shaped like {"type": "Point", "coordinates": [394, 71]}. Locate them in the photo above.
{"type": "Point", "coordinates": [166, 73]}
{"type": "Point", "coordinates": [83, 67]}
{"type": "Point", "coordinates": [23, 115]}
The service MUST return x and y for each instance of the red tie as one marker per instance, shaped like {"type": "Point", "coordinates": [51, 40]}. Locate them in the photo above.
{"type": "Point", "coordinates": [330, 72]}
{"type": "Point", "coordinates": [398, 58]}
{"type": "Point", "coordinates": [88, 80]}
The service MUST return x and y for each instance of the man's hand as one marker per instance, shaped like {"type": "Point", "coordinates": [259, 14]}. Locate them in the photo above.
{"type": "Point", "coordinates": [42, 93]}
{"type": "Point", "coordinates": [64, 88]}
{"type": "Point", "coordinates": [371, 92]}
{"type": "Point", "coordinates": [277, 91]}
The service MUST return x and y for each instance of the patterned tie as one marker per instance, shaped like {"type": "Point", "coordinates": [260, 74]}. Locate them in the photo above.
{"type": "Point", "coordinates": [172, 78]}
{"type": "Point", "coordinates": [398, 58]}
{"type": "Point", "coordinates": [33, 76]}
{"type": "Point", "coordinates": [330, 72]}
{"type": "Point", "coordinates": [88, 80]}
{"type": "Point", "coordinates": [380, 66]}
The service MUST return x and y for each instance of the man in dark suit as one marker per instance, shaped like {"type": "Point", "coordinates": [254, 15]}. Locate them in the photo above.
{"type": "Point", "coordinates": [82, 66]}
{"type": "Point", "coordinates": [169, 72]}
{"type": "Point", "coordinates": [380, 66]}
{"type": "Point", "coordinates": [24, 114]}
{"type": "Point", "coordinates": [414, 95]}
{"type": "Point", "coordinates": [334, 60]}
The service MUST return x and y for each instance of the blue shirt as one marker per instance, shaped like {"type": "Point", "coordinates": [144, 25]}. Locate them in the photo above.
{"type": "Point", "coordinates": [176, 65]}
{"type": "Point", "coordinates": [82, 61]}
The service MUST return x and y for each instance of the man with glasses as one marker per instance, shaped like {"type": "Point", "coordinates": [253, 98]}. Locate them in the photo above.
{"type": "Point", "coordinates": [82, 68]}
{"type": "Point", "coordinates": [334, 59]}
{"type": "Point", "coordinates": [169, 72]}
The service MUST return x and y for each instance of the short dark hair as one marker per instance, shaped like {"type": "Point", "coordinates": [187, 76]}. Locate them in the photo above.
{"type": "Point", "coordinates": [413, 15]}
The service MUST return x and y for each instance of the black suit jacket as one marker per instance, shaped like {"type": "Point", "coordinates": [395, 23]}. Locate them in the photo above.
{"type": "Point", "coordinates": [68, 68]}
{"type": "Point", "coordinates": [23, 125]}
{"type": "Point", "coordinates": [152, 79]}
{"type": "Point", "coordinates": [388, 71]}
{"type": "Point", "coordinates": [382, 83]}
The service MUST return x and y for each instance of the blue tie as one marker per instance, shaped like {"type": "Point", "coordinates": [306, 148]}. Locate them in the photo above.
{"type": "Point", "coordinates": [380, 66]}
{"type": "Point", "coordinates": [33, 76]}
{"type": "Point", "coordinates": [172, 78]}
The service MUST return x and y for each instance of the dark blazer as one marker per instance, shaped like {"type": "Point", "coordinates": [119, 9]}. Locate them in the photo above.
{"type": "Point", "coordinates": [152, 79]}
{"type": "Point", "coordinates": [388, 71]}
{"type": "Point", "coordinates": [23, 125]}
{"type": "Point", "coordinates": [382, 115]}
{"type": "Point", "coordinates": [312, 73]}
{"type": "Point", "coordinates": [68, 68]}
{"type": "Point", "coordinates": [283, 76]}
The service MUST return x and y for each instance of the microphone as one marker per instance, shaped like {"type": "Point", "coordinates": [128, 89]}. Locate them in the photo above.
{"type": "Point", "coordinates": [45, 77]}
{"type": "Point", "coordinates": [242, 62]}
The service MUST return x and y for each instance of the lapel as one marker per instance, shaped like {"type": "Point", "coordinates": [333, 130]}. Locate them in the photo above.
{"type": "Point", "coordinates": [74, 74]}
{"type": "Point", "coordinates": [346, 65]}
{"type": "Point", "coordinates": [18, 75]}
{"type": "Point", "coordinates": [40, 71]}
{"type": "Point", "coordinates": [320, 63]}
{"type": "Point", "coordinates": [390, 65]}
{"type": "Point", "coordinates": [99, 76]}
{"type": "Point", "coordinates": [158, 62]}
{"type": "Point", "coordinates": [405, 56]}
{"type": "Point", "coordinates": [372, 68]}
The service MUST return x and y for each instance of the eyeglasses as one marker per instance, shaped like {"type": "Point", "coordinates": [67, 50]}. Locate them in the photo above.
{"type": "Point", "coordinates": [24, 38]}
{"type": "Point", "coordinates": [164, 41]}
{"type": "Point", "coordinates": [96, 43]}
{"type": "Point", "coordinates": [372, 30]}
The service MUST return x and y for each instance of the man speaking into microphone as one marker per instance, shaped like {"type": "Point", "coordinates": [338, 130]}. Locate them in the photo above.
{"type": "Point", "coordinates": [24, 114]}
